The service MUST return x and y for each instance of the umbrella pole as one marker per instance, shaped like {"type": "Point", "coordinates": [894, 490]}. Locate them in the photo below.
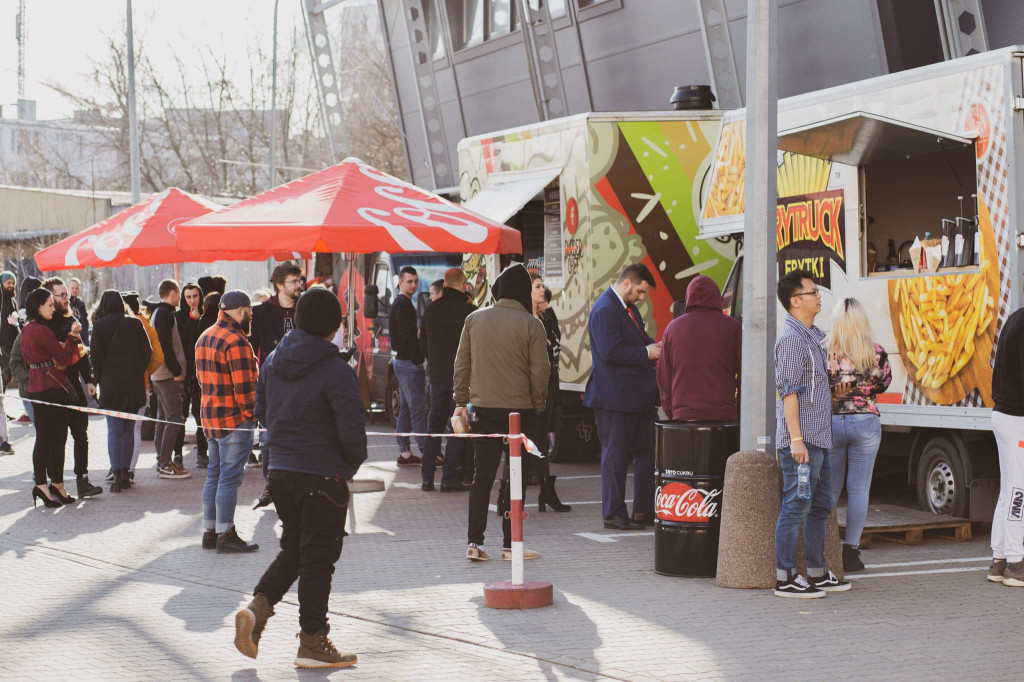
{"type": "Point", "coordinates": [351, 300]}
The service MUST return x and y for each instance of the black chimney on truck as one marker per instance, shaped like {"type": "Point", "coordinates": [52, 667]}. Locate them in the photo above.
{"type": "Point", "coordinates": [686, 97]}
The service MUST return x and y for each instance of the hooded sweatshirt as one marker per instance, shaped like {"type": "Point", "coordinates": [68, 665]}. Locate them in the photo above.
{"type": "Point", "coordinates": [698, 374]}
{"type": "Point", "coordinates": [308, 398]}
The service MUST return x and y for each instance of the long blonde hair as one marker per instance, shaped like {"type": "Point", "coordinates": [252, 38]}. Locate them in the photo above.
{"type": "Point", "coordinates": [850, 336]}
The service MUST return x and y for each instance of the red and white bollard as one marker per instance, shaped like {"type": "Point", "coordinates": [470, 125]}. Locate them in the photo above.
{"type": "Point", "coordinates": [517, 593]}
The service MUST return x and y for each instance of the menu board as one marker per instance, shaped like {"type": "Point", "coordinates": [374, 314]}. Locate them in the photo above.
{"type": "Point", "coordinates": [553, 245]}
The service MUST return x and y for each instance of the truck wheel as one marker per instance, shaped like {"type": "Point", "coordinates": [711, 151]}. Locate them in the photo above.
{"type": "Point", "coordinates": [391, 400]}
{"type": "Point", "coordinates": [943, 478]}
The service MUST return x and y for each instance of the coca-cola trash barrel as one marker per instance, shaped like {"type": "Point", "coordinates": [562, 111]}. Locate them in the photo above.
{"type": "Point", "coordinates": [690, 471]}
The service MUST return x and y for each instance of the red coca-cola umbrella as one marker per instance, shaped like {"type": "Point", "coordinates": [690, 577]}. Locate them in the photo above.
{"type": "Point", "coordinates": [349, 208]}
{"type": "Point", "coordinates": [144, 235]}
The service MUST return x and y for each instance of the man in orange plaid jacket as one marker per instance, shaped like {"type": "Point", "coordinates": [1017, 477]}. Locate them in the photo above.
{"type": "Point", "coordinates": [227, 372]}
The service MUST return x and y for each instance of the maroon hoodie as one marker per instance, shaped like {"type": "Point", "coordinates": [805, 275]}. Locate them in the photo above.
{"type": "Point", "coordinates": [698, 373]}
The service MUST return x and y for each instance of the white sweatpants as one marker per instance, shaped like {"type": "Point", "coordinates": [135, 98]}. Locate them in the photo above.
{"type": "Point", "coordinates": [1008, 520]}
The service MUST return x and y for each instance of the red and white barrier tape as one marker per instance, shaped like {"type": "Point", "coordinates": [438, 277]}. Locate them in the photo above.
{"type": "Point", "coordinates": [527, 443]}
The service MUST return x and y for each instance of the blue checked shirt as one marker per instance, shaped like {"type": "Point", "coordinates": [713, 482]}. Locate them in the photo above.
{"type": "Point", "coordinates": [801, 368]}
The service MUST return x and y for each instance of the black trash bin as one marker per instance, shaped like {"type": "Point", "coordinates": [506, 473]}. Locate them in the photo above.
{"type": "Point", "coordinates": [690, 469]}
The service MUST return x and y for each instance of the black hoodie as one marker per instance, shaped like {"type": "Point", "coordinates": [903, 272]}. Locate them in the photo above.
{"type": "Point", "coordinates": [308, 398]}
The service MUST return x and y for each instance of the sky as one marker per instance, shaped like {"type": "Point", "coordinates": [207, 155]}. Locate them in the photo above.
{"type": "Point", "coordinates": [64, 36]}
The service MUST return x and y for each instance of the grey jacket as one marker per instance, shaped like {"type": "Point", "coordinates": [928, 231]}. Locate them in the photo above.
{"type": "Point", "coordinates": [502, 359]}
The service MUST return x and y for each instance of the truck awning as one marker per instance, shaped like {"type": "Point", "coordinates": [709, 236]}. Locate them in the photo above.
{"type": "Point", "coordinates": [507, 192]}
{"type": "Point", "coordinates": [861, 138]}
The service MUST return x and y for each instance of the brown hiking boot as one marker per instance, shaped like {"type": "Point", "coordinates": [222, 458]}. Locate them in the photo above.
{"type": "Point", "coordinates": [317, 651]}
{"type": "Point", "coordinates": [249, 624]}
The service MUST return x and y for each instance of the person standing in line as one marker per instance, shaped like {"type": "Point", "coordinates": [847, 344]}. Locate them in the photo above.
{"type": "Point", "coordinates": [188, 317]}
{"type": "Point", "coordinates": [803, 434]}
{"type": "Point", "coordinates": [439, 341]}
{"type": "Point", "coordinates": [120, 353]}
{"type": "Point", "coordinates": [29, 285]}
{"type": "Point", "coordinates": [156, 358]}
{"type": "Point", "coordinates": [81, 382]}
{"type": "Point", "coordinates": [309, 397]}
{"type": "Point", "coordinates": [858, 370]}
{"type": "Point", "coordinates": [78, 307]}
{"type": "Point", "coordinates": [168, 381]}
{"type": "Point", "coordinates": [623, 392]}
{"type": "Point", "coordinates": [436, 289]}
{"type": "Point", "coordinates": [540, 296]}
{"type": "Point", "coordinates": [501, 367]}
{"type": "Point", "coordinates": [1008, 428]}
{"type": "Point", "coordinates": [408, 363]}
{"type": "Point", "coordinates": [273, 319]}
{"type": "Point", "coordinates": [227, 371]}
{"type": "Point", "coordinates": [47, 359]}
{"type": "Point", "coordinates": [9, 325]}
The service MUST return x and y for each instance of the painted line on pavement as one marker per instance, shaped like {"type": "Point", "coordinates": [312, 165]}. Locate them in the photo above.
{"type": "Point", "coordinates": [612, 537]}
{"type": "Point", "coordinates": [933, 571]}
{"type": "Point", "coordinates": [926, 562]}
{"type": "Point", "coordinates": [494, 508]}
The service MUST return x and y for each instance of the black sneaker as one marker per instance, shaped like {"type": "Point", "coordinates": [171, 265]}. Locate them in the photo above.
{"type": "Point", "coordinates": [797, 588]}
{"type": "Point", "coordinates": [230, 543]}
{"type": "Point", "coordinates": [830, 583]}
{"type": "Point", "coordinates": [210, 539]}
{"type": "Point", "coordinates": [453, 488]}
{"type": "Point", "coordinates": [110, 476]}
{"type": "Point", "coordinates": [851, 559]}
{"type": "Point", "coordinates": [253, 461]}
{"type": "Point", "coordinates": [6, 449]}
{"type": "Point", "coordinates": [202, 462]}
{"type": "Point", "coordinates": [428, 486]}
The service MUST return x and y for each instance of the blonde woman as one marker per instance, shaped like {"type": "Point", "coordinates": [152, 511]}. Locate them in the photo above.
{"type": "Point", "coordinates": [858, 370]}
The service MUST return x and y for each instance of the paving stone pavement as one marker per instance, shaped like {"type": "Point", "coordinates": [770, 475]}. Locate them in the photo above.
{"type": "Point", "coordinates": [118, 587]}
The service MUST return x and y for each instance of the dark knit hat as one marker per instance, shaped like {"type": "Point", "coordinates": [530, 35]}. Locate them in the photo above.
{"type": "Point", "coordinates": [6, 275]}
{"type": "Point", "coordinates": [318, 312]}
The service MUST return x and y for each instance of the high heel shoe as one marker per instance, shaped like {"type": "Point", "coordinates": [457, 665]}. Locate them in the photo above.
{"type": "Point", "coordinates": [38, 494]}
{"type": "Point", "coordinates": [63, 497]}
{"type": "Point", "coordinates": [548, 496]}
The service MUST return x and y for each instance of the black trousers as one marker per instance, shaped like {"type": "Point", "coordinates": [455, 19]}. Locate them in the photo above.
{"type": "Point", "coordinates": [312, 510]}
{"type": "Point", "coordinates": [488, 457]}
{"type": "Point", "coordinates": [79, 425]}
{"type": "Point", "coordinates": [193, 401]}
{"type": "Point", "coordinates": [51, 425]}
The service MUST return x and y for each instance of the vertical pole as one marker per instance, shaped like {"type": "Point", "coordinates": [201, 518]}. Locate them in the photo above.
{"type": "Point", "coordinates": [515, 495]}
{"type": "Point", "coordinates": [133, 130]}
{"type": "Point", "coordinates": [757, 408]}
{"type": "Point", "coordinates": [273, 106]}
{"type": "Point", "coordinates": [350, 340]}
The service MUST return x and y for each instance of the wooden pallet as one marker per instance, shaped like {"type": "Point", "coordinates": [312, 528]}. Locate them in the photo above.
{"type": "Point", "coordinates": [907, 526]}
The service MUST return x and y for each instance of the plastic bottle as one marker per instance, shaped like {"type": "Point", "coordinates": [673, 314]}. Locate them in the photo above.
{"type": "Point", "coordinates": [803, 482]}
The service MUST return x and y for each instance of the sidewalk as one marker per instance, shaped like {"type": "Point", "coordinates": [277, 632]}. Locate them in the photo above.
{"type": "Point", "coordinates": [118, 587]}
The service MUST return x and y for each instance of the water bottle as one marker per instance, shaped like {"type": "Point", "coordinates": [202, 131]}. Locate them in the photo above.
{"type": "Point", "coordinates": [803, 482]}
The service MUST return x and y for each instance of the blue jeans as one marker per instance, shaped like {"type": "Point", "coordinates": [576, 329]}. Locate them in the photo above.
{"type": "Point", "coordinates": [855, 439]}
{"type": "Point", "coordinates": [228, 455]}
{"type": "Point", "coordinates": [442, 405]}
{"type": "Point", "coordinates": [120, 442]}
{"type": "Point", "coordinates": [811, 514]}
{"type": "Point", "coordinates": [412, 410]}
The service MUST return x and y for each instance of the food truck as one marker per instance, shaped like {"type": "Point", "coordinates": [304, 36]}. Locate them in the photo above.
{"type": "Point", "coordinates": [591, 194]}
{"type": "Point", "coordinates": [902, 191]}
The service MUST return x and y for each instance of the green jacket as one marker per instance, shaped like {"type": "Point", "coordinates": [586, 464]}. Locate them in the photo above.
{"type": "Point", "coordinates": [19, 368]}
{"type": "Point", "coordinates": [502, 359]}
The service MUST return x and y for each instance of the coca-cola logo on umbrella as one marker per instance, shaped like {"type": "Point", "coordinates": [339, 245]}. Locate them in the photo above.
{"type": "Point", "coordinates": [680, 503]}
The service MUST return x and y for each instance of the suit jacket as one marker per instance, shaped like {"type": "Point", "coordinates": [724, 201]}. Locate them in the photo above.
{"type": "Point", "coordinates": [622, 378]}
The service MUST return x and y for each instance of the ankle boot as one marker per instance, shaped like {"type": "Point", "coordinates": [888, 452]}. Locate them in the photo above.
{"type": "Point", "coordinates": [548, 496]}
{"type": "Point", "coordinates": [126, 480]}
{"type": "Point", "coordinates": [116, 485]}
{"type": "Point", "coordinates": [87, 489]}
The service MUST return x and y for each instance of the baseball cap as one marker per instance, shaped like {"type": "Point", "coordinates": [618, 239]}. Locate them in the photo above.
{"type": "Point", "coordinates": [235, 299]}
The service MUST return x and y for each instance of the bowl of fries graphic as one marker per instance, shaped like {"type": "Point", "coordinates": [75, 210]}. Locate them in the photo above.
{"type": "Point", "coordinates": [945, 325]}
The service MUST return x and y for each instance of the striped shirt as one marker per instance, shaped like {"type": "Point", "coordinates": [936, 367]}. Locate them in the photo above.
{"type": "Point", "coordinates": [801, 368]}
{"type": "Point", "coordinates": [227, 372]}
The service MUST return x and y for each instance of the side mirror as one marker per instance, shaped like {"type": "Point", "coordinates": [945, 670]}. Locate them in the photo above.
{"type": "Point", "coordinates": [370, 301]}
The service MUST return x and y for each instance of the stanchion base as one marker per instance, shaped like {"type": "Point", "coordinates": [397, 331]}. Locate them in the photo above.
{"type": "Point", "coordinates": [532, 594]}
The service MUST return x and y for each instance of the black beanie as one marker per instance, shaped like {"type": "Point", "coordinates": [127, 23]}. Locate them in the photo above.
{"type": "Point", "coordinates": [318, 312]}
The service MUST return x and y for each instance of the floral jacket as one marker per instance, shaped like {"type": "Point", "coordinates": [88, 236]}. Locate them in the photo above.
{"type": "Point", "coordinates": [853, 391]}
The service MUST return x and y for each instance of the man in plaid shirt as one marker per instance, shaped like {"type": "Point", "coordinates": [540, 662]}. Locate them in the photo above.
{"type": "Point", "coordinates": [803, 436]}
{"type": "Point", "coordinates": [227, 372]}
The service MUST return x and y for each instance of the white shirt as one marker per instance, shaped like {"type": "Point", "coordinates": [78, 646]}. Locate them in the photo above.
{"type": "Point", "coordinates": [621, 300]}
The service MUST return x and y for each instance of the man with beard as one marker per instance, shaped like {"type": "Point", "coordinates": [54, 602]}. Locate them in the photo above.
{"type": "Point", "coordinates": [81, 383]}
{"type": "Point", "coordinates": [275, 318]}
{"type": "Point", "coordinates": [8, 322]}
{"type": "Point", "coordinates": [78, 307]}
{"type": "Point", "coordinates": [168, 381]}
{"type": "Point", "coordinates": [187, 319]}
{"type": "Point", "coordinates": [227, 373]}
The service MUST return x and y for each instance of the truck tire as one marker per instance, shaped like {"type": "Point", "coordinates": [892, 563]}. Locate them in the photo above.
{"type": "Point", "coordinates": [943, 477]}
{"type": "Point", "coordinates": [391, 400]}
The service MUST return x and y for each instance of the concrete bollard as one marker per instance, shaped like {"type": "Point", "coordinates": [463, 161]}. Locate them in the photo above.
{"type": "Point", "coordinates": [750, 509]}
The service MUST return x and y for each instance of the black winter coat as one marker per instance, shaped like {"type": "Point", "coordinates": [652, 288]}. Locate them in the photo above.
{"type": "Point", "coordinates": [402, 330]}
{"type": "Point", "coordinates": [120, 352]}
{"type": "Point", "coordinates": [267, 328]}
{"type": "Point", "coordinates": [441, 331]}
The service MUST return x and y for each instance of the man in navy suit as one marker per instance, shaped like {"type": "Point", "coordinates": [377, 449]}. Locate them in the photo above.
{"type": "Point", "coordinates": [623, 391]}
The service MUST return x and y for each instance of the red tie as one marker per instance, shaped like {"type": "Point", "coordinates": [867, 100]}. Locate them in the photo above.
{"type": "Point", "coordinates": [633, 315]}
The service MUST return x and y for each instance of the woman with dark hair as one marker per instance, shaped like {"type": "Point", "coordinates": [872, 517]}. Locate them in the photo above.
{"type": "Point", "coordinates": [540, 296]}
{"type": "Point", "coordinates": [120, 353]}
{"type": "Point", "coordinates": [131, 299]}
{"type": "Point", "coordinates": [29, 285]}
{"type": "Point", "coordinates": [211, 308]}
{"type": "Point", "coordinates": [47, 358]}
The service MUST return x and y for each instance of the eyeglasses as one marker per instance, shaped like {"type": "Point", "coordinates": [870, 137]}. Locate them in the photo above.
{"type": "Point", "coordinates": [293, 282]}
{"type": "Point", "coordinates": [816, 292]}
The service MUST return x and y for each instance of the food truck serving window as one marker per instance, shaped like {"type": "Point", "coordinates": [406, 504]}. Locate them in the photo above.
{"type": "Point", "coordinates": [918, 191]}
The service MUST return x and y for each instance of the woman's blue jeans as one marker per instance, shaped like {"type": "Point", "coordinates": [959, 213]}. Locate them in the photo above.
{"type": "Point", "coordinates": [855, 441]}
{"type": "Point", "coordinates": [120, 442]}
